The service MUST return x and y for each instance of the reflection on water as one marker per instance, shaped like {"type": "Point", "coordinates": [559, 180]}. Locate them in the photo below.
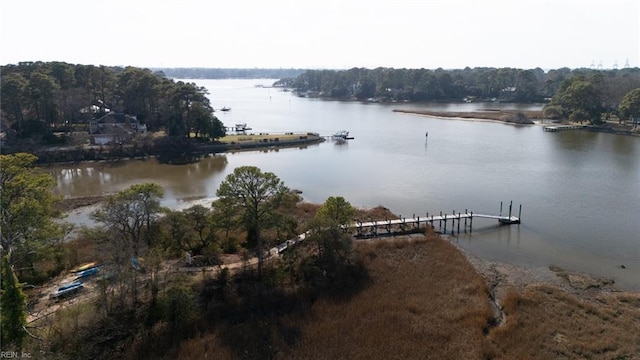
{"type": "Point", "coordinates": [180, 182]}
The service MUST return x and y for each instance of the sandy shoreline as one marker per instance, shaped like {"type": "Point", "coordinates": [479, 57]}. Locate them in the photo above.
{"type": "Point", "coordinates": [503, 277]}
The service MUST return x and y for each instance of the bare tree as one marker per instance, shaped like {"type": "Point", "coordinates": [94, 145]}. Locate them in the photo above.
{"type": "Point", "coordinates": [255, 195]}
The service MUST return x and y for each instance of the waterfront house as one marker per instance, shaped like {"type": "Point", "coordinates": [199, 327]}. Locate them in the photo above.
{"type": "Point", "coordinates": [115, 128]}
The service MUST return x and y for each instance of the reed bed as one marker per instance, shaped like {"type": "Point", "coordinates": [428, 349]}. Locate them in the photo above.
{"type": "Point", "coordinates": [424, 301]}
{"type": "Point", "coordinates": [547, 323]}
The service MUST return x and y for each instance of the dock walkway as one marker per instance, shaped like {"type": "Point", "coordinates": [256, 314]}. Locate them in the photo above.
{"type": "Point", "coordinates": [556, 128]}
{"type": "Point", "coordinates": [373, 228]}
{"type": "Point", "coordinates": [405, 225]}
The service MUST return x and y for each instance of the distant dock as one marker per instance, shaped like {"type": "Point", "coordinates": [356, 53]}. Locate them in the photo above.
{"type": "Point", "coordinates": [556, 128]}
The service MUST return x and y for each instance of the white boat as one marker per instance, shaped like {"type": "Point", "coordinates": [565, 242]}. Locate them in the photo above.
{"type": "Point", "coordinates": [342, 135]}
{"type": "Point", "coordinates": [240, 127]}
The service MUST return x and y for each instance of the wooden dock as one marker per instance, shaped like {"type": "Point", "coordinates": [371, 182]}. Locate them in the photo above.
{"type": "Point", "coordinates": [403, 225]}
{"type": "Point", "coordinates": [407, 225]}
{"type": "Point", "coordinates": [556, 128]}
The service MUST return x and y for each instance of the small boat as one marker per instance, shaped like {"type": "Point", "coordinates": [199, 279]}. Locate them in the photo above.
{"type": "Point", "coordinates": [67, 289]}
{"type": "Point", "coordinates": [88, 272]}
{"type": "Point", "coordinates": [342, 135]}
{"type": "Point", "coordinates": [225, 109]}
{"type": "Point", "coordinates": [83, 267]}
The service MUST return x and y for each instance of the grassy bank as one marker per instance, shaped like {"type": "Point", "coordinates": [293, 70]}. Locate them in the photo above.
{"type": "Point", "coordinates": [265, 140]}
{"type": "Point", "coordinates": [264, 137]}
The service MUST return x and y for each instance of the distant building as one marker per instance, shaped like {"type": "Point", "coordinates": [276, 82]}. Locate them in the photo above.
{"type": "Point", "coordinates": [115, 128]}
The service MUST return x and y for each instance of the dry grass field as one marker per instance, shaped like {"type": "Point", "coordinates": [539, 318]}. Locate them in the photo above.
{"type": "Point", "coordinates": [426, 301]}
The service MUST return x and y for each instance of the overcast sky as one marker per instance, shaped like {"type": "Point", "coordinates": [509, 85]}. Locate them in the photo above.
{"type": "Point", "coordinates": [333, 34]}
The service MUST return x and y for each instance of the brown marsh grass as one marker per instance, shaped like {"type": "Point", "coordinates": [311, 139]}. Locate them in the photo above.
{"type": "Point", "coordinates": [425, 301]}
{"type": "Point", "coordinates": [547, 323]}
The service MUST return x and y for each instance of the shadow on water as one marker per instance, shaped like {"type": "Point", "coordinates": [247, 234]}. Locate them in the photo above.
{"type": "Point", "coordinates": [179, 158]}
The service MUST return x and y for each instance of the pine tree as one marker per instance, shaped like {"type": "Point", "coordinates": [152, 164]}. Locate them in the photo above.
{"type": "Point", "coordinates": [13, 312]}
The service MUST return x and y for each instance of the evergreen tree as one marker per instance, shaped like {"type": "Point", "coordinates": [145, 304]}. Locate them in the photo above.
{"type": "Point", "coordinates": [13, 310]}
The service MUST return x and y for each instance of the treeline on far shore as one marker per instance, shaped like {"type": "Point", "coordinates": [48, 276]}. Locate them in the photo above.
{"type": "Point", "coordinates": [227, 73]}
{"type": "Point", "coordinates": [577, 95]}
{"type": "Point", "coordinates": [41, 100]}
{"type": "Point", "coordinates": [468, 84]}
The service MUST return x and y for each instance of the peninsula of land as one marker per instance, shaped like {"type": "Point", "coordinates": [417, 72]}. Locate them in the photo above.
{"type": "Point", "coordinates": [168, 149]}
{"type": "Point", "coordinates": [526, 117]}
{"type": "Point", "coordinates": [509, 116]}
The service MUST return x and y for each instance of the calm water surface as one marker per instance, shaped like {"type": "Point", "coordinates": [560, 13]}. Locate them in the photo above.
{"type": "Point", "coordinates": [579, 190]}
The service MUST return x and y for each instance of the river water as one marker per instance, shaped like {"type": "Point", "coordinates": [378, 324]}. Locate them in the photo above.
{"type": "Point", "coordinates": [580, 191]}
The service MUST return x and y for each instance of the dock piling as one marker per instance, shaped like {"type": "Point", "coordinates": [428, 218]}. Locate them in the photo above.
{"type": "Point", "coordinates": [453, 222]}
{"type": "Point", "coordinates": [465, 219]}
{"type": "Point", "coordinates": [520, 213]}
